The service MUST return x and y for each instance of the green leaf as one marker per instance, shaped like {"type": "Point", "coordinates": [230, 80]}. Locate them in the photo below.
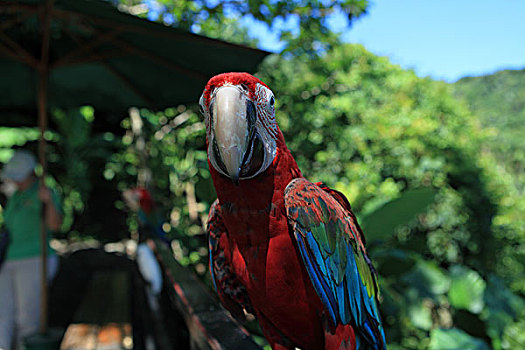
{"type": "Point", "coordinates": [383, 222]}
{"type": "Point", "coordinates": [499, 298]}
{"type": "Point", "coordinates": [466, 289]}
{"type": "Point", "coordinates": [454, 339]}
{"type": "Point", "coordinates": [428, 279]}
{"type": "Point", "coordinates": [392, 262]}
{"type": "Point", "coordinates": [421, 316]}
{"type": "Point", "coordinates": [502, 308]}
{"type": "Point", "coordinates": [514, 337]}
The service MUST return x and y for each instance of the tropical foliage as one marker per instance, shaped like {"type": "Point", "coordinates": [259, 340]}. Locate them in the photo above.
{"type": "Point", "coordinates": [498, 101]}
{"type": "Point", "coordinates": [381, 135]}
{"type": "Point", "coordinates": [219, 19]}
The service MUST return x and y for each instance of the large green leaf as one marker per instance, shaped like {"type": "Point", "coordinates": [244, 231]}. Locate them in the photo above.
{"type": "Point", "coordinates": [502, 308]}
{"type": "Point", "coordinates": [499, 298]}
{"type": "Point", "coordinates": [454, 339]}
{"type": "Point", "coordinates": [466, 289]}
{"type": "Point", "coordinates": [428, 279]}
{"type": "Point", "coordinates": [392, 262]}
{"type": "Point", "coordinates": [383, 222]}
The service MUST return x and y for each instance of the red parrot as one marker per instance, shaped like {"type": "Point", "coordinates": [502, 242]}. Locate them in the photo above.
{"type": "Point", "coordinates": [150, 218]}
{"type": "Point", "coordinates": [283, 248]}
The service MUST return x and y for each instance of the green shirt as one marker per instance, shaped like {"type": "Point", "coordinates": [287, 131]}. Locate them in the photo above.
{"type": "Point", "coordinates": [22, 217]}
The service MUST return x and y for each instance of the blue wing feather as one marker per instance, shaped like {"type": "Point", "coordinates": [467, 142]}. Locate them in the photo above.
{"type": "Point", "coordinates": [319, 284]}
{"type": "Point", "coordinates": [336, 262]}
{"type": "Point", "coordinates": [353, 286]}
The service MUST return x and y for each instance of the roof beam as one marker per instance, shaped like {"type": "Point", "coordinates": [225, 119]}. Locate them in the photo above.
{"type": "Point", "coordinates": [87, 47]}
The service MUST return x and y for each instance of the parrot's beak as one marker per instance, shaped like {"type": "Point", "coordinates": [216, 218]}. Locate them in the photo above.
{"type": "Point", "coordinates": [232, 125]}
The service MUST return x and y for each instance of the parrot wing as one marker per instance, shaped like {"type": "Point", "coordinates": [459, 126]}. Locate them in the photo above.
{"type": "Point", "coordinates": [331, 246]}
{"type": "Point", "coordinates": [231, 292]}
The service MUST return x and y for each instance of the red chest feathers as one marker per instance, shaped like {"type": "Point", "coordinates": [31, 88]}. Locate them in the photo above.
{"type": "Point", "coordinates": [267, 262]}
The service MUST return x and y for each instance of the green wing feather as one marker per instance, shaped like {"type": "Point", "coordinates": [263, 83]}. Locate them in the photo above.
{"type": "Point", "coordinates": [331, 245]}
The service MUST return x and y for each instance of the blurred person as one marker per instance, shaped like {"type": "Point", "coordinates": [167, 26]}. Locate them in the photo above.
{"type": "Point", "coordinates": [20, 276]}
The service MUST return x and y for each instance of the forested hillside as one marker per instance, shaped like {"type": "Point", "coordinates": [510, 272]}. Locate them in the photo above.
{"type": "Point", "coordinates": [499, 102]}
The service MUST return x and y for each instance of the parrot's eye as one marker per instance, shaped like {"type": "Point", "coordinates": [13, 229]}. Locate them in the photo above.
{"type": "Point", "coordinates": [272, 101]}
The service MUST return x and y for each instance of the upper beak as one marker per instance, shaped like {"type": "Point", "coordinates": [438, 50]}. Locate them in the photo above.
{"type": "Point", "coordinates": [231, 128]}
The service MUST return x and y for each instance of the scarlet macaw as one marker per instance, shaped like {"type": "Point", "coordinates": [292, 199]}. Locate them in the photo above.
{"type": "Point", "coordinates": [285, 249]}
{"type": "Point", "coordinates": [150, 218]}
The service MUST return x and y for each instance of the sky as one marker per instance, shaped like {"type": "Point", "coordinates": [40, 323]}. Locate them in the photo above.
{"type": "Point", "coordinates": [443, 39]}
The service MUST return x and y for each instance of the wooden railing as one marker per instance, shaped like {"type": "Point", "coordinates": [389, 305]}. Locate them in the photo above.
{"type": "Point", "coordinates": [209, 325]}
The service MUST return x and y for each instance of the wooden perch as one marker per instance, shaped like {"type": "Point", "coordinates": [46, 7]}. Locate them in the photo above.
{"type": "Point", "coordinates": [210, 326]}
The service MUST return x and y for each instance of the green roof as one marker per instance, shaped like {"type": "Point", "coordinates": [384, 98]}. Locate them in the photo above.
{"type": "Point", "coordinates": [102, 57]}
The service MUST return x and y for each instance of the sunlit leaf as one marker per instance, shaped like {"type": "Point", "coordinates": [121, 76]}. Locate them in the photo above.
{"type": "Point", "coordinates": [420, 315]}
{"type": "Point", "coordinates": [514, 337]}
{"type": "Point", "coordinates": [454, 339]}
{"type": "Point", "coordinates": [466, 289]}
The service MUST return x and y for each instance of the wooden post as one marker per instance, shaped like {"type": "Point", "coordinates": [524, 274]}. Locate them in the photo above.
{"type": "Point", "coordinates": [43, 75]}
{"type": "Point", "coordinates": [42, 121]}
